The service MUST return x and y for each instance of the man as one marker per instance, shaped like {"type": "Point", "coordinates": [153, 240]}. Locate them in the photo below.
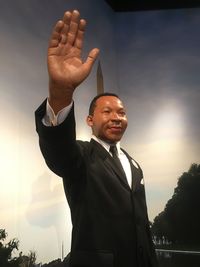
{"type": "Point", "coordinates": [102, 183]}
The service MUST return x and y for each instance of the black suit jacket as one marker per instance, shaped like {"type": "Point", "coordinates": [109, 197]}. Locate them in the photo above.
{"type": "Point", "coordinates": [110, 222]}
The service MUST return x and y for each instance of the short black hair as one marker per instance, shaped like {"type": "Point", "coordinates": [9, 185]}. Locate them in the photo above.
{"type": "Point", "coordinates": [94, 100]}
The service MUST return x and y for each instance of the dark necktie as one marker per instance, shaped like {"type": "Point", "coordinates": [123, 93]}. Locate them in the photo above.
{"type": "Point", "coordinates": [113, 151]}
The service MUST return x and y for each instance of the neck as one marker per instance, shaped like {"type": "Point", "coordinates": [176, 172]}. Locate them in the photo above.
{"type": "Point", "coordinates": [107, 142]}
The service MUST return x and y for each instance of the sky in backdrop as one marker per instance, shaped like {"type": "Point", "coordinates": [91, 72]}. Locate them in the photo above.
{"type": "Point", "coordinates": [159, 79]}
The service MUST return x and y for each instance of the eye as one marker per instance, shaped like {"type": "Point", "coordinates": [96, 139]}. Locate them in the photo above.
{"type": "Point", "coordinates": [106, 111]}
{"type": "Point", "coordinates": [122, 113]}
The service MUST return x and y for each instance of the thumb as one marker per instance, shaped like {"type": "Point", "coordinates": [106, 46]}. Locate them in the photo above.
{"type": "Point", "coordinates": [91, 58]}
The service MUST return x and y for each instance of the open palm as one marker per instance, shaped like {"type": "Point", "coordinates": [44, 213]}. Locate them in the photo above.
{"type": "Point", "coordinates": [65, 66]}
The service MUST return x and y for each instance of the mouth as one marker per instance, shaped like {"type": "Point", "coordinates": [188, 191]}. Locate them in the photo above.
{"type": "Point", "coordinates": [115, 129]}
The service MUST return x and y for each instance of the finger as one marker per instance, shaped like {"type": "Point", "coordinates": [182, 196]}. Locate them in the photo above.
{"type": "Point", "coordinates": [91, 58]}
{"type": "Point", "coordinates": [79, 38]}
{"type": "Point", "coordinates": [66, 19]}
{"type": "Point", "coordinates": [56, 34]}
{"type": "Point", "coordinates": [73, 28]}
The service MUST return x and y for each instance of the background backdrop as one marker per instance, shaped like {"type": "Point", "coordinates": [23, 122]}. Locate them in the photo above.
{"type": "Point", "coordinates": [150, 58]}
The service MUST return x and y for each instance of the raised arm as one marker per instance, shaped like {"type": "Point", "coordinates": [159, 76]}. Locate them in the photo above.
{"type": "Point", "coordinates": [65, 66]}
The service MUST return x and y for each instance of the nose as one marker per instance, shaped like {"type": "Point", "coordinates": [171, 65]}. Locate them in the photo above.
{"type": "Point", "coordinates": [115, 117]}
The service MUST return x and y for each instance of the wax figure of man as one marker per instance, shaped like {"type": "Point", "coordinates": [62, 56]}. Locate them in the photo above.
{"type": "Point", "coordinates": [106, 197]}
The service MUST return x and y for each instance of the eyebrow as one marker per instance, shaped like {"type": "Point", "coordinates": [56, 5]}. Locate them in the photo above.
{"type": "Point", "coordinates": [108, 107]}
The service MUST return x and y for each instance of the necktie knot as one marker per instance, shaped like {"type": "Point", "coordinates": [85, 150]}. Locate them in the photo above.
{"type": "Point", "coordinates": [113, 151]}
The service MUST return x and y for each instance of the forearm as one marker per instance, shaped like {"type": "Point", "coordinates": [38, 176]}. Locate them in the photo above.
{"type": "Point", "coordinates": [52, 119]}
{"type": "Point", "coordinates": [58, 143]}
{"type": "Point", "coordinates": [59, 97]}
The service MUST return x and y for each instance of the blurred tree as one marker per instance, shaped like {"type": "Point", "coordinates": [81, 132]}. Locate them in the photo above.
{"type": "Point", "coordinates": [27, 260]}
{"type": "Point", "coordinates": [6, 250]}
{"type": "Point", "coordinates": [180, 220]}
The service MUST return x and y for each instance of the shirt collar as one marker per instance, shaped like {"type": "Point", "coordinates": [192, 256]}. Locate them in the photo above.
{"type": "Point", "coordinates": [105, 144]}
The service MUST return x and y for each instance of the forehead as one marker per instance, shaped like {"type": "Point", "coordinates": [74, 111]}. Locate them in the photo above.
{"type": "Point", "coordinates": [109, 101]}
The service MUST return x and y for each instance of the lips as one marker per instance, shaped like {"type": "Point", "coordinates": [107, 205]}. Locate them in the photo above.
{"type": "Point", "coordinates": [116, 129]}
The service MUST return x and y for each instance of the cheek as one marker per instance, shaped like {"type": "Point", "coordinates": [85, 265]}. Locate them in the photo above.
{"type": "Point", "coordinates": [125, 123]}
{"type": "Point", "coordinates": [102, 123]}
{"type": "Point", "coordinates": [98, 126]}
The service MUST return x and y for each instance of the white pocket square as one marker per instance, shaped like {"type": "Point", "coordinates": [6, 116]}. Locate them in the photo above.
{"type": "Point", "coordinates": [135, 164]}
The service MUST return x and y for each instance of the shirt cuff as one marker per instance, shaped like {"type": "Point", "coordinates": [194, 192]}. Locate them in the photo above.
{"type": "Point", "coordinates": [50, 119]}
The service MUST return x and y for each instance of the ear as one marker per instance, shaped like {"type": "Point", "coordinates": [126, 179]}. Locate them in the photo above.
{"type": "Point", "coordinates": [89, 120]}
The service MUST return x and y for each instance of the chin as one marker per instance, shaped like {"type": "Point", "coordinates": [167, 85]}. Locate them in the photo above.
{"type": "Point", "coordinates": [114, 140]}
{"type": "Point", "coordinates": [110, 139]}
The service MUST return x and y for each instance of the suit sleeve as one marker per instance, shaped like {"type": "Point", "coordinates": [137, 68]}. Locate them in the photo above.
{"type": "Point", "coordinates": [58, 143]}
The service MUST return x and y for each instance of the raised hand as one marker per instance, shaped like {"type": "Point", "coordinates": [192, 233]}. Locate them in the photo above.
{"type": "Point", "coordinates": [65, 66]}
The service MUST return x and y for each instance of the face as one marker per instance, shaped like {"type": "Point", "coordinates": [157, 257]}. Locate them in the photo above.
{"type": "Point", "coordinates": [109, 120]}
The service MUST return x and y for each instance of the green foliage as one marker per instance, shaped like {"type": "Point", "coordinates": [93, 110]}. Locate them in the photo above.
{"type": "Point", "coordinates": [180, 220]}
{"type": "Point", "coordinates": [6, 250]}
{"type": "Point", "coordinates": [3, 235]}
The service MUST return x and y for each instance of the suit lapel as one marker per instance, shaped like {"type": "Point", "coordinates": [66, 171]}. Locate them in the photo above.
{"type": "Point", "coordinates": [108, 161]}
{"type": "Point", "coordinates": [120, 174]}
